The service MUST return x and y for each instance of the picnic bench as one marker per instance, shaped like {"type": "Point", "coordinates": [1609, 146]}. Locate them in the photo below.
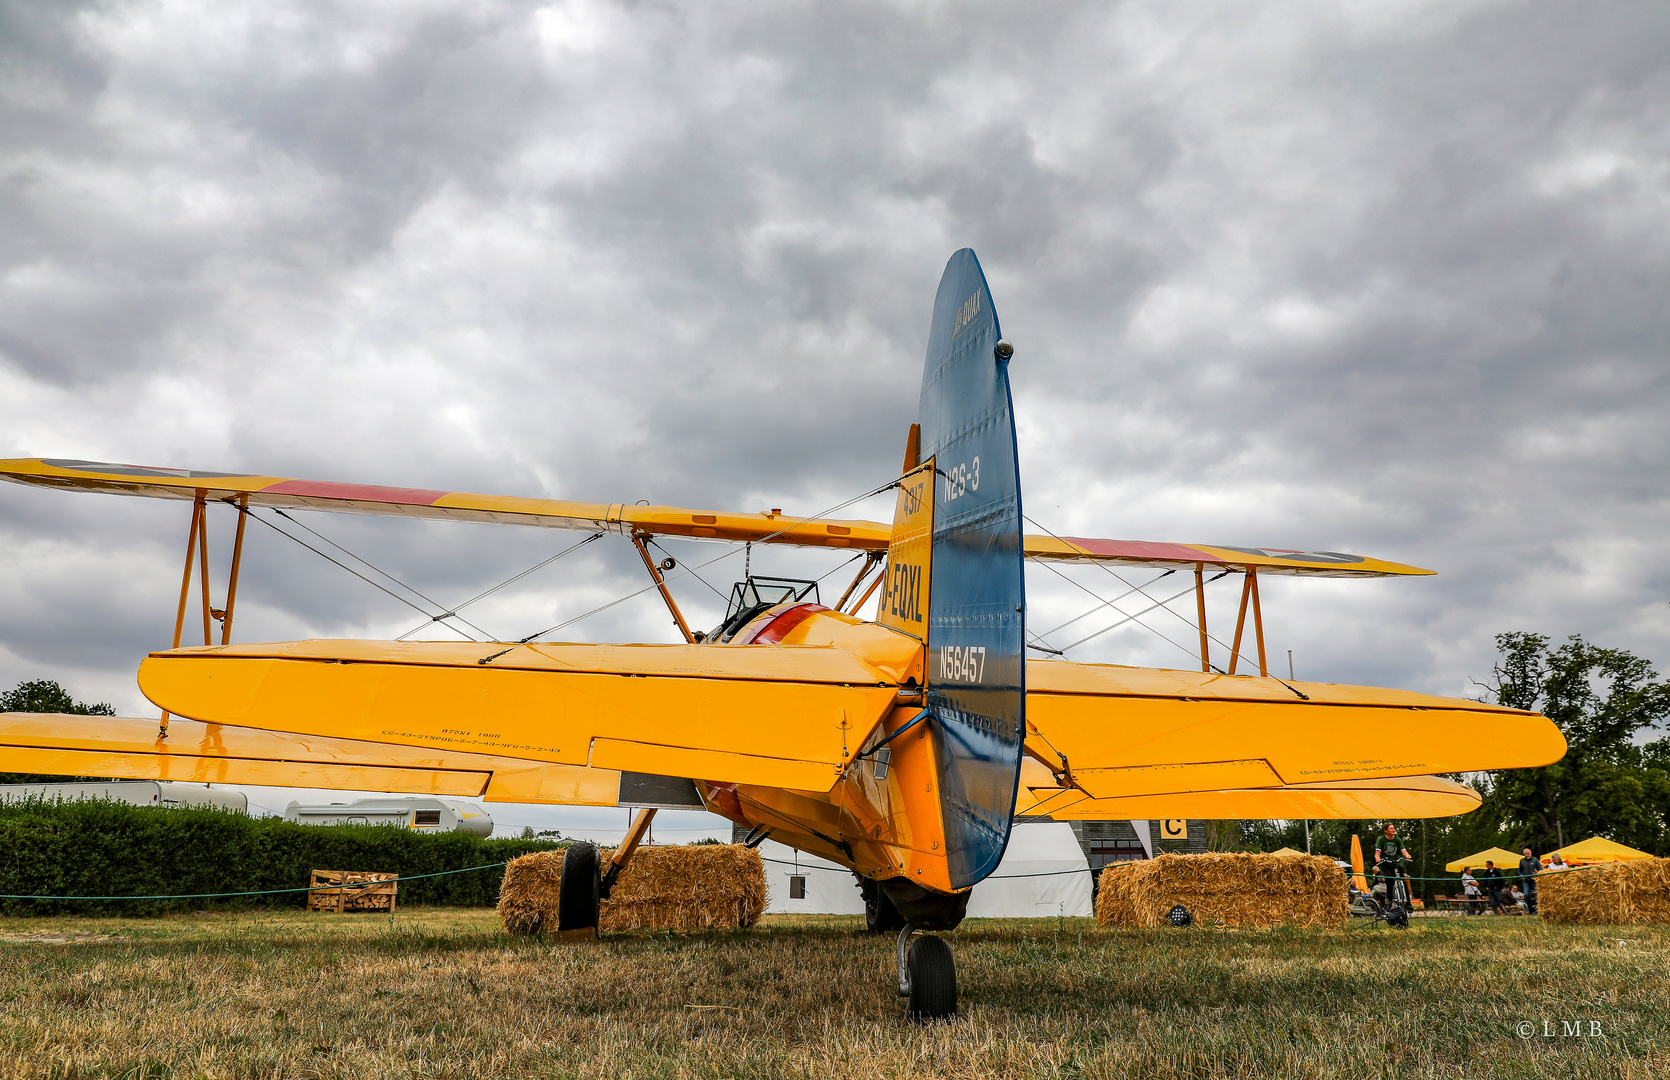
{"type": "Point", "coordinates": [1459, 903]}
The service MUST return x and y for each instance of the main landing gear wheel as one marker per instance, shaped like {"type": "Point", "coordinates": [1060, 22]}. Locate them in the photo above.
{"type": "Point", "coordinates": [927, 978]}
{"type": "Point", "coordinates": [580, 889]}
{"type": "Point", "coordinates": [880, 916]}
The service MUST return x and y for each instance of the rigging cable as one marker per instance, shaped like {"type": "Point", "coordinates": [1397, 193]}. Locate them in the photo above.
{"type": "Point", "coordinates": [1105, 603]}
{"type": "Point", "coordinates": [1144, 611]}
{"type": "Point", "coordinates": [509, 581]}
{"type": "Point", "coordinates": [651, 542]}
{"type": "Point", "coordinates": [445, 614]}
{"type": "Point", "coordinates": [682, 570]}
{"type": "Point", "coordinates": [1133, 588]}
{"type": "Point", "coordinates": [252, 515]}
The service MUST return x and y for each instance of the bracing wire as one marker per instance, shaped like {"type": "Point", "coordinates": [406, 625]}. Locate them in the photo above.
{"type": "Point", "coordinates": [693, 574]}
{"type": "Point", "coordinates": [1134, 617]}
{"type": "Point", "coordinates": [1104, 603]}
{"type": "Point", "coordinates": [1107, 603]}
{"type": "Point", "coordinates": [252, 515]}
{"type": "Point", "coordinates": [508, 582]}
{"type": "Point", "coordinates": [682, 569]}
{"type": "Point", "coordinates": [445, 614]}
{"type": "Point", "coordinates": [1130, 588]}
{"type": "Point", "coordinates": [842, 566]}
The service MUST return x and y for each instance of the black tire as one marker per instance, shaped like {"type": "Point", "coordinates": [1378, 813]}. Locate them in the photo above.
{"type": "Point", "coordinates": [880, 916]}
{"type": "Point", "coordinates": [933, 981]}
{"type": "Point", "coordinates": [579, 891]}
{"type": "Point", "coordinates": [1398, 918]}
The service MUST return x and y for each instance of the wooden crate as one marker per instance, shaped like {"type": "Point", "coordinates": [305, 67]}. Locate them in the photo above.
{"type": "Point", "coordinates": [353, 894]}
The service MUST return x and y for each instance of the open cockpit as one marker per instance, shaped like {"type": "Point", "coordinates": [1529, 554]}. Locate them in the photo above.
{"type": "Point", "coordinates": [757, 604]}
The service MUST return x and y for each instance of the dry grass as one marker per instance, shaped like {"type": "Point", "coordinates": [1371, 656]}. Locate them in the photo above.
{"type": "Point", "coordinates": [438, 993]}
{"type": "Point", "coordinates": [683, 887]}
{"type": "Point", "coordinates": [1262, 891]}
{"type": "Point", "coordinates": [1618, 893]}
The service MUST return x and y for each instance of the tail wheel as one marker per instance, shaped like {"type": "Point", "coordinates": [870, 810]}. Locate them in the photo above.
{"type": "Point", "coordinates": [880, 916]}
{"type": "Point", "coordinates": [579, 891]}
{"type": "Point", "coordinates": [933, 981]}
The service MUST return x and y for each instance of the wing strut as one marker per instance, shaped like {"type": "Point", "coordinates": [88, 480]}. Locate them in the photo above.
{"type": "Point", "coordinates": [869, 592]}
{"type": "Point", "coordinates": [237, 560]}
{"type": "Point", "coordinates": [1249, 588]}
{"type": "Point", "coordinates": [871, 558]}
{"type": "Point", "coordinates": [1200, 605]}
{"type": "Point", "coordinates": [639, 539]}
{"type": "Point", "coordinates": [197, 557]}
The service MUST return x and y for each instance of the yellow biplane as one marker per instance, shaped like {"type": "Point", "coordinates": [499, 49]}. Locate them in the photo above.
{"type": "Point", "coordinates": [902, 747]}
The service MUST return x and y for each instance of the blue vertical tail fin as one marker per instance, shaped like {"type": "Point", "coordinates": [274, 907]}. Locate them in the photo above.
{"type": "Point", "coordinates": [972, 587]}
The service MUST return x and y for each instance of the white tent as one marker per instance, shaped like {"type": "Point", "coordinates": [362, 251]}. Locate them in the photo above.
{"type": "Point", "coordinates": [829, 889]}
{"type": "Point", "coordinates": [1034, 880]}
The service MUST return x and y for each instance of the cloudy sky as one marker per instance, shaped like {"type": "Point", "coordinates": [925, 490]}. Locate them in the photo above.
{"type": "Point", "coordinates": [1382, 277]}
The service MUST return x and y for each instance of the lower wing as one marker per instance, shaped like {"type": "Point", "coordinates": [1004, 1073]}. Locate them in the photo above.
{"type": "Point", "coordinates": [128, 748]}
{"type": "Point", "coordinates": [1405, 797]}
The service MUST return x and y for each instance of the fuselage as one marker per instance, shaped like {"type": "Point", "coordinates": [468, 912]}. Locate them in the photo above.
{"type": "Point", "coordinates": [882, 820]}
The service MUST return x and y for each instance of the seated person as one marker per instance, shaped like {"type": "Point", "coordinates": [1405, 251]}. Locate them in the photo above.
{"type": "Point", "coordinates": [1470, 889]}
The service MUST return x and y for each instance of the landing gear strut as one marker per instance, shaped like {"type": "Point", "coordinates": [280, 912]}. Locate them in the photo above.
{"type": "Point", "coordinates": [927, 977]}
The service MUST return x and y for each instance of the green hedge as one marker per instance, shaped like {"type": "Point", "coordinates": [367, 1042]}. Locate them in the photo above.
{"type": "Point", "coordinates": [99, 848]}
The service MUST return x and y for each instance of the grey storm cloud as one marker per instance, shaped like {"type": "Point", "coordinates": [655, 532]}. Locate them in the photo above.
{"type": "Point", "coordinates": [1386, 278]}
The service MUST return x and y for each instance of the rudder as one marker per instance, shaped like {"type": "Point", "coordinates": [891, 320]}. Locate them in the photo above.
{"type": "Point", "coordinates": [976, 607]}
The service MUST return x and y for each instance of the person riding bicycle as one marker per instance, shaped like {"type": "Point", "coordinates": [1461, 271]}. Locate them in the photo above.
{"type": "Point", "coordinates": [1389, 855]}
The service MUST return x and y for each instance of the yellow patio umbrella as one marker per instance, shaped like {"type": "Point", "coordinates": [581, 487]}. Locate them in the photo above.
{"type": "Point", "coordinates": [1286, 851]}
{"type": "Point", "coordinates": [1596, 849]}
{"type": "Point", "coordinates": [1504, 860]}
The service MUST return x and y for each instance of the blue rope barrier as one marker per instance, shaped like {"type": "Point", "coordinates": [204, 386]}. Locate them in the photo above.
{"type": "Point", "coordinates": [260, 892]}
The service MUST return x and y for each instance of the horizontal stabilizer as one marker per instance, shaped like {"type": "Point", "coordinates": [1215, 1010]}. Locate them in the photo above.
{"type": "Point", "coordinates": [785, 716]}
{"type": "Point", "coordinates": [1146, 731]}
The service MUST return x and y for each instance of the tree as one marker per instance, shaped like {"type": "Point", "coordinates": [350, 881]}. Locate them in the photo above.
{"type": "Point", "coordinates": [1602, 700]}
{"type": "Point", "coordinates": [45, 696]}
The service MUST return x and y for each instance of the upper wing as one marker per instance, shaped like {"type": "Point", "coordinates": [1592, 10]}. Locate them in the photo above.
{"type": "Point", "coordinates": [1267, 560]}
{"type": "Point", "coordinates": [1403, 797]}
{"type": "Point", "coordinates": [626, 518]}
{"type": "Point", "coordinates": [128, 748]}
{"type": "Point", "coordinates": [789, 716]}
{"type": "Point", "coordinates": [279, 492]}
{"type": "Point", "coordinates": [1143, 731]}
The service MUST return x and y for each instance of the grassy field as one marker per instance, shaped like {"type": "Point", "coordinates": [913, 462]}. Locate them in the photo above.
{"type": "Point", "coordinates": [443, 993]}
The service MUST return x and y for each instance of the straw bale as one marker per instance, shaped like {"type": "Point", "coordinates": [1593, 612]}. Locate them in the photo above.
{"type": "Point", "coordinates": [698, 887]}
{"type": "Point", "coordinates": [1232, 889]}
{"type": "Point", "coordinates": [1620, 892]}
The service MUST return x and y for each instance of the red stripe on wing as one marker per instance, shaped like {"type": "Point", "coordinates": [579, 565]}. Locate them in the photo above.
{"type": "Point", "coordinates": [1141, 549]}
{"type": "Point", "coordinates": [327, 489]}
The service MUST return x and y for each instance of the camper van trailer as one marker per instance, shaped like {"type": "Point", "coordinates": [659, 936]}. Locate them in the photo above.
{"type": "Point", "coordinates": [133, 792]}
{"type": "Point", "coordinates": [424, 815]}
